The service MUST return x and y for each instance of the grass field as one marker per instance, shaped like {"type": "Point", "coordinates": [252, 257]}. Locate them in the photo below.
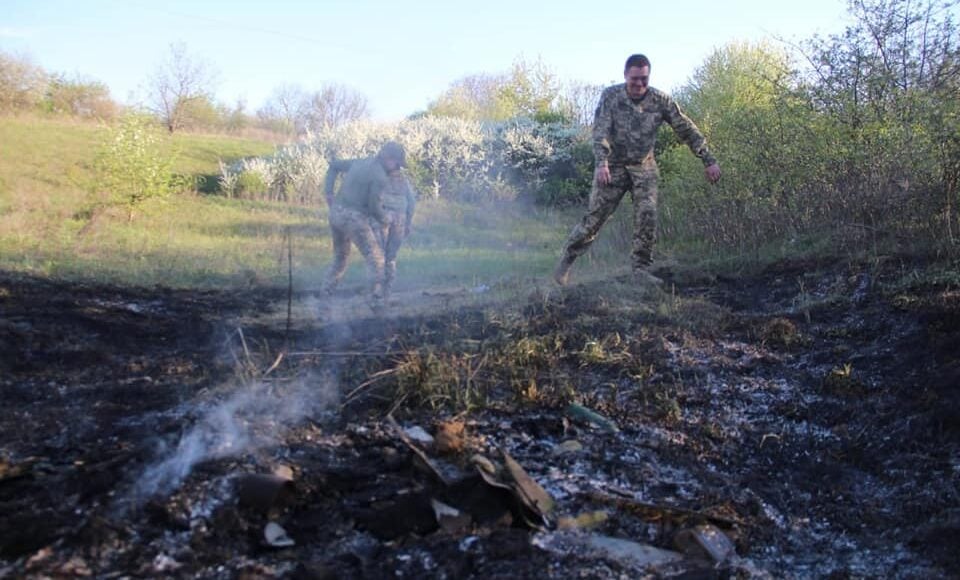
{"type": "Point", "coordinates": [206, 240]}
{"type": "Point", "coordinates": [197, 240]}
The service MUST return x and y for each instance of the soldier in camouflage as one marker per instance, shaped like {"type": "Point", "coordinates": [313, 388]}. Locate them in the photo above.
{"type": "Point", "coordinates": [624, 133]}
{"type": "Point", "coordinates": [357, 215]}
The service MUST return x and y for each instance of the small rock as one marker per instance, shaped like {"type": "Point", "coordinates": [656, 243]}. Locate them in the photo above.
{"type": "Point", "coordinates": [705, 541]}
{"type": "Point", "coordinates": [164, 563]}
{"type": "Point", "coordinates": [276, 536]}
{"type": "Point", "coordinates": [284, 472]}
{"type": "Point", "coordinates": [569, 446]}
{"type": "Point", "coordinates": [419, 434]}
{"type": "Point", "coordinates": [583, 521]}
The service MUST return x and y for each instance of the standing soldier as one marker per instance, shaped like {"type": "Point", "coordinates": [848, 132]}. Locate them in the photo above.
{"type": "Point", "coordinates": [357, 214]}
{"type": "Point", "coordinates": [399, 203]}
{"type": "Point", "coordinates": [624, 133]}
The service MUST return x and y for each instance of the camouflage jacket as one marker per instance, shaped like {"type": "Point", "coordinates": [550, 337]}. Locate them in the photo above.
{"type": "Point", "coordinates": [399, 196]}
{"type": "Point", "coordinates": [363, 187]}
{"type": "Point", "coordinates": [624, 131]}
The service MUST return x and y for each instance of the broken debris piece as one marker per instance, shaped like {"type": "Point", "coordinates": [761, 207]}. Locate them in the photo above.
{"type": "Point", "coordinates": [276, 536]}
{"type": "Point", "coordinates": [449, 518]}
{"type": "Point", "coordinates": [705, 541]}
{"type": "Point", "coordinates": [583, 521]}
{"type": "Point", "coordinates": [533, 496]}
{"type": "Point", "coordinates": [568, 446]}
{"type": "Point", "coordinates": [419, 435]}
{"type": "Point", "coordinates": [585, 415]}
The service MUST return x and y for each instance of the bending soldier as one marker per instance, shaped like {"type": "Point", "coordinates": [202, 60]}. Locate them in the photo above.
{"type": "Point", "coordinates": [357, 214]}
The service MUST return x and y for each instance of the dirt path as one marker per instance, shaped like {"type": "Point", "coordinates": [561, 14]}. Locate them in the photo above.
{"type": "Point", "coordinates": [808, 413]}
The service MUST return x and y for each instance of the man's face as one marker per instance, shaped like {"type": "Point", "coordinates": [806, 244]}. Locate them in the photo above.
{"type": "Point", "coordinates": [637, 77]}
{"type": "Point", "coordinates": [391, 164]}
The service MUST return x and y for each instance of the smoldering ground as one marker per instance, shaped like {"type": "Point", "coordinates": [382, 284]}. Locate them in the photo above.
{"type": "Point", "coordinates": [815, 430]}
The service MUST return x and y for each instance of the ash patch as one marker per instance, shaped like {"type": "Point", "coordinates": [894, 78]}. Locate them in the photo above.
{"type": "Point", "coordinates": [807, 414]}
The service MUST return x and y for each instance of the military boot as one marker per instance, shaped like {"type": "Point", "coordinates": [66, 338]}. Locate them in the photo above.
{"type": "Point", "coordinates": [561, 275]}
{"type": "Point", "coordinates": [646, 279]}
{"type": "Point", "coordinates": [389, 275]}
{"type": "Point", "coordinates": [377, 302]}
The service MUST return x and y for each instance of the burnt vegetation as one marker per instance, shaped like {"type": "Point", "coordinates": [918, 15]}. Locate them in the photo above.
{"type": "Point", "coordinates": [820, 436]}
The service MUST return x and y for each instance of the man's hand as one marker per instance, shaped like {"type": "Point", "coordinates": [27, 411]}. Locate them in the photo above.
{"type": "Point", "coordinates": [602, 174]}
{"type": "Point", "coordinates": [407, 227]}
{"type": "Point", "coordinates": [713, 173]}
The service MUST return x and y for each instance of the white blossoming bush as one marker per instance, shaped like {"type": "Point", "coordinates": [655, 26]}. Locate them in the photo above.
{"type": "Point", "coordinates": [552, 161]}
{"type": "Point", "coordinates": [447, 157]}
{"type": "Point", "coordinates": [451, 157]}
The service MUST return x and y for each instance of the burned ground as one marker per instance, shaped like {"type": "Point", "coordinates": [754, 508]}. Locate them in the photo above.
{"type": "Point", "coordinates": [808, 411]}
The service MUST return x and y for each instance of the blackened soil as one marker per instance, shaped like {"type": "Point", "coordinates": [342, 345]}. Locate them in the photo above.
{"type": "Point", "coordinates": [811, 411]}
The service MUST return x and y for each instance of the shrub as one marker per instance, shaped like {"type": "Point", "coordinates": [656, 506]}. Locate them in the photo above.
{"type": "Point", "coordinates": [132, 166]}
{"type": "Point", "coordinates": [447, 157]}
{"type": "Point", "coordinates": [21, 83]}
{"type": "Point", "coordinates": [249, 184]}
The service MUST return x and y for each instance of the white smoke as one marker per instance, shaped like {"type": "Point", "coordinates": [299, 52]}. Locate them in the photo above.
{"type": "Point", "coordinates": [254, 416]}
{"type": "Point", "coordinates": [250, 419]}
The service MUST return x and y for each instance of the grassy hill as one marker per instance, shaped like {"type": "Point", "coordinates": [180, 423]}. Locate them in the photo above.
{"type": "Point", "coordinates": [203, 240]}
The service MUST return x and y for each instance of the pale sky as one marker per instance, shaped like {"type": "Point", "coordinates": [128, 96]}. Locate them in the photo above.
{"type": "Point", "coordinates": [400, 55]}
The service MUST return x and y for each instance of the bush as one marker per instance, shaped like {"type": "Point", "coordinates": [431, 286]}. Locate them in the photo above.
{"type": "Point", "coordinates": [132, 166]}
{"type": "Point", "coordinates": [80, 98]}
{"type": "Point", "coordinates": [21, 83]}
{"type": "Point", "coordinates": [449, 158]}
{"type": "Point", "coordinates": [250, 184]}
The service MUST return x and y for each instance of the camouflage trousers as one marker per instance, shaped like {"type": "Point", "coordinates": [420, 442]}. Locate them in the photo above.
{"type": "Point", "coordinates": [392, 235]}
{"type": "Point", "coordinates": [349, 226]}
{"type": "Point", "coordinates": [641, 182]}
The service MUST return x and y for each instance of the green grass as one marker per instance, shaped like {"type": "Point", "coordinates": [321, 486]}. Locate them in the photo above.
{"type": "Point", "coordinates": [45, 176]}
{"type": "Point", "coordinates": [195, 240]}
{"type": "Point", "coordinates": [192, 240]}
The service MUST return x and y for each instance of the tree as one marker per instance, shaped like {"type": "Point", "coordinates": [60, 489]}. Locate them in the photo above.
{"type": "Point", "coordinates": [890, 84]}
{"type": "Point", "coordinates": [473, 97]}
{"type": "Point", "coordinates": [293, 110]}
{"type": "Point", "coordinates": [177, 85]}
{"type": "Point", "coordinates": [578, 102]}
{"type": "Point", "coordinates": [744, 98]}
{"type": "Point", "coordinates": [333, 106]}
{"type": "Point", "coordinates": [283, 110]}
{"type": "Point", "coordinates": [80, 98]}
{"type": "Point", "coordinates": [133, 166]}
{"type": "Point", "coordinates": [529, 90]}
{"type": "Point", "coordinates": [22, 83]}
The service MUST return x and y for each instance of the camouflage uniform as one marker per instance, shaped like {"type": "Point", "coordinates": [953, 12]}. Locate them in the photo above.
{"type": "Point", "coordinates": [399, 203]}
{"type": "Point", "coordinates": [356, 214]}
{"type": "Point", "coordinates": [624, 134]}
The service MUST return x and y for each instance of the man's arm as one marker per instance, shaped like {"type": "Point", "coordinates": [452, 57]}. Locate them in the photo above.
{"type": "Point", "coordinates": [688, 132]}
{"type": "Point", "coordinates": [337, 166]}
{"type": "Point", "coordinates": [411, 205]}
{"type": "Point", "coordinates": [378, 184]}
{"type": "Point", "coordinates": [602, 130]}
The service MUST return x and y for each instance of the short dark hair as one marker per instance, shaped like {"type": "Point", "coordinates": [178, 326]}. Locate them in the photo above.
{"type": "Point", "coordinates": [637, 60]}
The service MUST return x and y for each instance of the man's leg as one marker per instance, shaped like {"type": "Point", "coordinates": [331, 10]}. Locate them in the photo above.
{"type": "Point", "coordinates": [644, 192]}
{"type": "Point", "coordinates": [392, 241]}
{"type": "Point", "coordinates": [604, 199]}
{"type": "Point", "coordinates": [366, 241]}
{"type": "Point", "coordinates": [341, 253]}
